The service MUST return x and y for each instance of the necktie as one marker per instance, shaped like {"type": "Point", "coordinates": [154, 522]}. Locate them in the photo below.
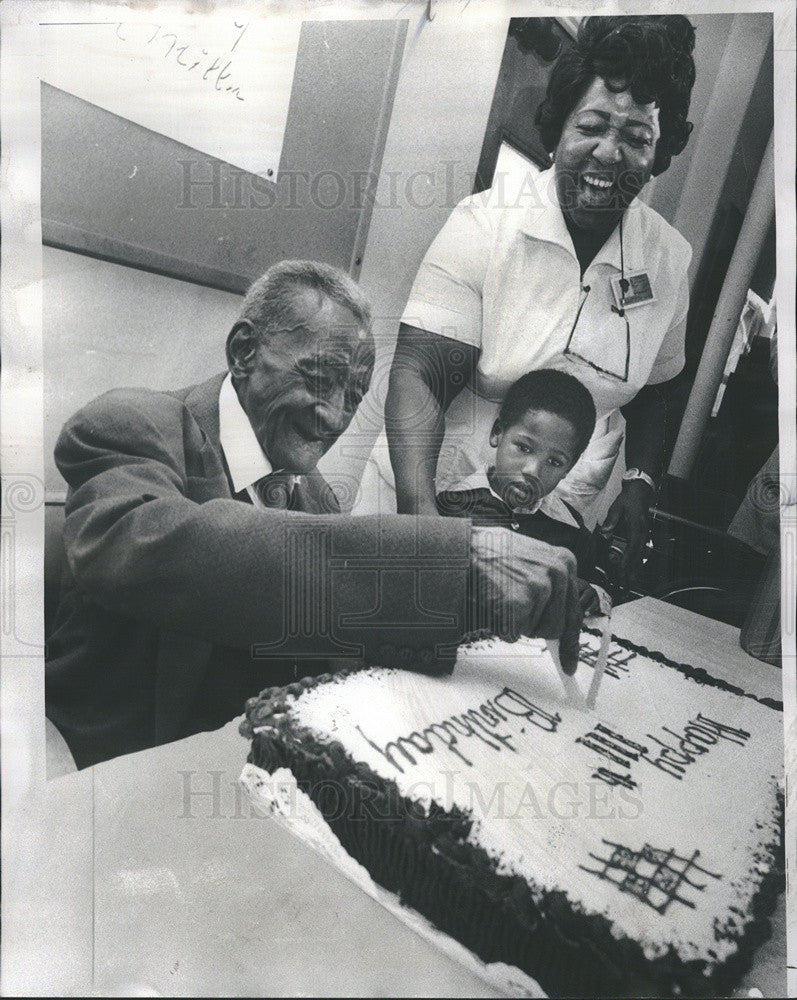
{"type": "Point", "coordinates": [275, 490]}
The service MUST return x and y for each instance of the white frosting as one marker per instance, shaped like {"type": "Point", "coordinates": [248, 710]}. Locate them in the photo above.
{"type": "Point", "coordinates": [516, 766]}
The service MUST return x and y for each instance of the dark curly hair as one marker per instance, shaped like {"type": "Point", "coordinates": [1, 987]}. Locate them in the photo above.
{"type": "Point", "coordinates": [556, 392]}
{"type": "Point", "coordinates": [651, 56]}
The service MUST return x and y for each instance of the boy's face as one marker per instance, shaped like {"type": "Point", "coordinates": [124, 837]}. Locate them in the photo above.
{"type": "Point", "coordinates": [532, 455]}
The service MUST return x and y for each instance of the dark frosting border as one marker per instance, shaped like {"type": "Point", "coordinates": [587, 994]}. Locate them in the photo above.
{"type": "Point", "coordinates": [697, 674]}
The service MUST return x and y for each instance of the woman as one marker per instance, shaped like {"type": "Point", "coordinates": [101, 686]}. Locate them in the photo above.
{"type": "Point", "coordinates": [577, 274]}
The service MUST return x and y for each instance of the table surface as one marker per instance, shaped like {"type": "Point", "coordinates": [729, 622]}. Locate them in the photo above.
{"type": "Point", "coordinates": [162, 880]}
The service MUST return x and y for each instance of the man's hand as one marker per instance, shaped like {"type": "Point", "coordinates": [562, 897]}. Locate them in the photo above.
{"type": "Point", "coordinates": [588, 599]}
{"type": "Point", "coordinates": [629, 512]}
{"type": "Point", "coordinates": [521, 586]}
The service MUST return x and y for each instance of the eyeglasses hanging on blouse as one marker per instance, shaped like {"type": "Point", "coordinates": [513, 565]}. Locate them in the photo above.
{"type": "Point", "coordinates": [623, 329]}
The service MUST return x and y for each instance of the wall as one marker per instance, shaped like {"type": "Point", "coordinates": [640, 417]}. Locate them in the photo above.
{"type": "Point", "coordinates": [107, 325]}
{"type": "Point", "coordinates": [440, 113]}
{"type": "Point", "coordinates": [118, 190]}
{"type": "Point", "coordinates": [719, 138]}
{"type": "Point", "coordinates": [711, 37]}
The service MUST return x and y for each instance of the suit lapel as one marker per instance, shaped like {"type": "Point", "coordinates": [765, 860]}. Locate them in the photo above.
{"type": "Point", "coordinates": [209, 477]}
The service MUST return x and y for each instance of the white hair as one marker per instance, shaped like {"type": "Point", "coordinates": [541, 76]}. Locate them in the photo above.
{"type": "Point", "coordinates": [270, 303]}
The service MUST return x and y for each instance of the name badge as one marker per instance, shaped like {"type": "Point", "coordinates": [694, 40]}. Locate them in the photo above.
{"type": "Point", "coordinates": [638, 293]}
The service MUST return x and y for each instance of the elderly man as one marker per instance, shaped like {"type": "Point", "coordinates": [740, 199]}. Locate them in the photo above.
{"type": "Point", "coordinates": [207, 557]}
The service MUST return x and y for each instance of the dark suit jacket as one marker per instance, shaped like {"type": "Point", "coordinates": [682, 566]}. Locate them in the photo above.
{"type": "Point", "coordinates": [172, 582]}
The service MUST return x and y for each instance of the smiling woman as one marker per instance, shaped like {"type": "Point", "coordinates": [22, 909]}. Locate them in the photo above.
{"type": "Point", "coordinates": [604, 157]}
{"type": "Point", "coordinates": [545, 280]}
{"type": "Point", "coordinates": [614, 115]}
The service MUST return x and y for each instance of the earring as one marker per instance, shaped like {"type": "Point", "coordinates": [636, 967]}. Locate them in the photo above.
{"type": "Point", "coordinates": [551, 155]}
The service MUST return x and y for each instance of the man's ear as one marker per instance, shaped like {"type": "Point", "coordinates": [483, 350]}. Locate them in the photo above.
{"type": "Point", "coordinates": [241, 348]}
{"type": "Point", "coordinates": [495, 433]}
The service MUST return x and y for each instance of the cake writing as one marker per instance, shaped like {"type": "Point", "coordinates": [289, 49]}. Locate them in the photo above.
{"type": "Point", "coordinates": [616, 661]}
{"type": "Point", "coordinates": [481, 723]}
{"type": "Point", "coordinates": [672, 755]}
{"type": "Point", "coordinates": [656, 877]}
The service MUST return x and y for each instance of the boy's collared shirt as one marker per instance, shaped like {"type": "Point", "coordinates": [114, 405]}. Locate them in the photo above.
{"type": "Point", "coordinates": [551, 504]}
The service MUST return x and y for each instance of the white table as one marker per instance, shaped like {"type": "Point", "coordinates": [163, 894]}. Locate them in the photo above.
{"type": "Point", "coordinates": [154, 874]}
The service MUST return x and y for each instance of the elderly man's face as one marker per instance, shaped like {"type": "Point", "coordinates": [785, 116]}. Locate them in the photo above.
{"type": "Point", "coordinates": [302, 386]}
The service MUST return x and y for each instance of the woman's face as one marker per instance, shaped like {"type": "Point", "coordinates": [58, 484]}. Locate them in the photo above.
{"type": "Point", "coordinates": [604, 156]}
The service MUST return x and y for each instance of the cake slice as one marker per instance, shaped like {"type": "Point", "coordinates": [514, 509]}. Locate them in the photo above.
{"type": "Point", "coordinates": [633, 848]}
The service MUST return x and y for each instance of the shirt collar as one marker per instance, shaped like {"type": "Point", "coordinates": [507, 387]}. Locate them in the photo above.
{"type": "Point", "coordinates": [544, 221]}
{"type": "Point", "coordinates": [244, 456]}
{"type": "Point", "coordinates": [551, 504]}
{"type": "Point", "coordinates": [526, 510]}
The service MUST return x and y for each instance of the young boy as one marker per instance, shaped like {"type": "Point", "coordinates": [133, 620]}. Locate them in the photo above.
{"type": "Point", "coordinates": [544, 424]}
